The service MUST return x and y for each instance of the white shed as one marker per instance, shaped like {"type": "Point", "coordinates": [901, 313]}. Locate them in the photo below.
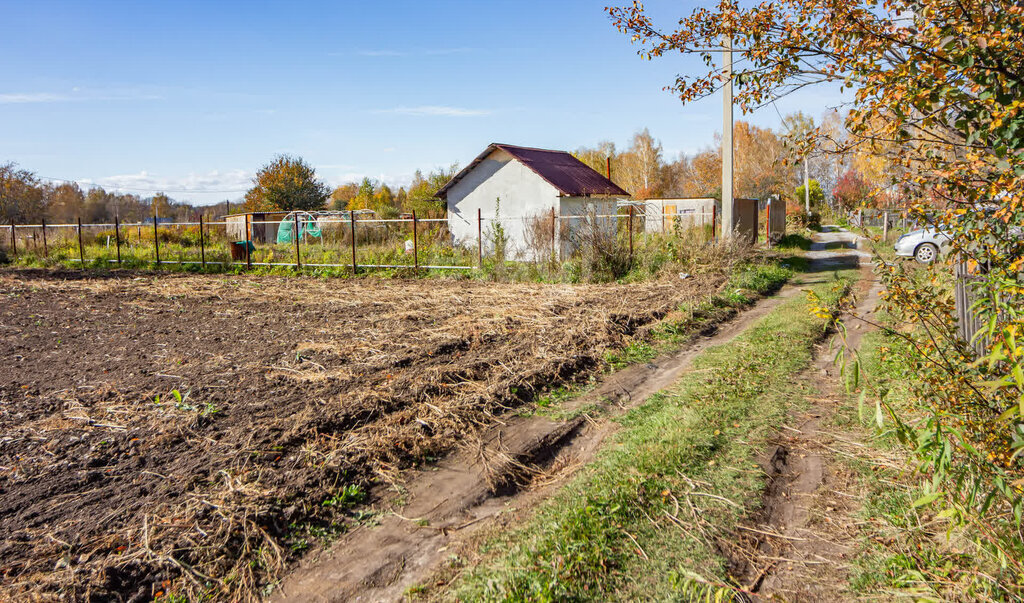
{"type": "Point", "coordinates": [524, 187]}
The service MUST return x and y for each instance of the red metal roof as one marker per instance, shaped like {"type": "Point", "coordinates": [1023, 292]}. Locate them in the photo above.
{"type": "Point", "coordinates": [561, 170]}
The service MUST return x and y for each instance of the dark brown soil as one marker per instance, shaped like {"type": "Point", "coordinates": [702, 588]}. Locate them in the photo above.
{"type": "Point", "coordinates": [195, 433]}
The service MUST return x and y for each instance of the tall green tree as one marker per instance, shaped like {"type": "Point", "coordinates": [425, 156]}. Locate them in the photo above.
{"type": "Point", "coordinates": [287, 183]}
{"type": "Point", "coordinates": [814, 192]}
{"type": "Point", "coordinates": [364, 195]}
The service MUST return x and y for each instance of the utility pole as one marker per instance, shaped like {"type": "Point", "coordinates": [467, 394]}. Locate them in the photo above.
{"type": "Point", "coordinates": [807, 188]}
{"type": "Point", "coordinates": [727, 150]}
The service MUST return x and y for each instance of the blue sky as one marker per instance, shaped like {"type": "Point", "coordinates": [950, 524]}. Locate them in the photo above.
{"type": "Point", "coordinates": [193, 97]}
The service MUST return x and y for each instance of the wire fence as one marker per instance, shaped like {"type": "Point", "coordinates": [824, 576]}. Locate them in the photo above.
{"type": "Point", "coordinates": [342, 241]}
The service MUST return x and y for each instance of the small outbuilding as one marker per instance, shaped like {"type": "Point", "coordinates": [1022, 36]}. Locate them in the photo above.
{"type": "Point", "coordinates": [524, 187]}
{"type": "Point", "coordinates": [263, 226]}
{"type": "Point", "coordinates": [665, 215]}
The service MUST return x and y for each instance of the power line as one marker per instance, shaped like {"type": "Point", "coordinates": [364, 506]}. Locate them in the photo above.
{"type": "Point", "coordinates": [138, 189]}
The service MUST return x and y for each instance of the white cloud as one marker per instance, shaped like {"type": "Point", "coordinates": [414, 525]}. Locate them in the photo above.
{"type": "Point", "coordinates": [382, 53]}
{"type": "Point", "coordinates": [216, 182]}
{"type": "Point", "coordinates": [437, 111]}
{"type": "Point", "coordinates": [444, 51]}
{"type": "Point", "coordinates": [32, 97]}
{"type": "Point", "coordinates": [11, 98]}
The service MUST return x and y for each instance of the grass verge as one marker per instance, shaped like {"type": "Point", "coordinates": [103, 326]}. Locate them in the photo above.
{"type": "Point", "coordinates": [905, 550]}
{"type": "Point", "coordinates": [636, 523]}
{"type": "Point", "coordinates": [746, 285]}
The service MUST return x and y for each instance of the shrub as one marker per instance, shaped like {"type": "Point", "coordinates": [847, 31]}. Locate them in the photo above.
{"type": "Point", "coordinates": [800, 220]}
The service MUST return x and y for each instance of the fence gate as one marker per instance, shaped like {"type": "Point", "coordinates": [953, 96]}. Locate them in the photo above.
{"type": "Point", "coordinates": [775, 220]}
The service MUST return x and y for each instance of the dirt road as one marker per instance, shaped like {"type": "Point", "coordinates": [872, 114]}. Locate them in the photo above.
{"type": "Point", "coordinates": [797, 546]}
{"type": "Point", "coordinates": [446, 504]}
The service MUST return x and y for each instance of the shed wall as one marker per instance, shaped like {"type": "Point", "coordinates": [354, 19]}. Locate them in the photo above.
{"type": "Point", "coordinates": [235, 227]}
{"type": "Point", "coordinates": [574, 230]}
{"type": "Point", "coordinates": [261, 233]}
{"type": "Point", "coordinates": [523, 194]}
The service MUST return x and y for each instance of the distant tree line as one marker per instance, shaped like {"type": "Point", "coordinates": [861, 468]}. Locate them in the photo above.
{"type": "Point", "coordinates": [25, 199]}
{"type": "Point", "coordinates": [289, 183]}
{"type": "Point", "coordinates": [766, 163]}
{"type": "Point", "coordinates": [286, 183]}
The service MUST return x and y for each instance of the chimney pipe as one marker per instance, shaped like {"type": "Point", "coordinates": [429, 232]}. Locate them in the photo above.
{"type": "Point", "coordinates": [608, 167]}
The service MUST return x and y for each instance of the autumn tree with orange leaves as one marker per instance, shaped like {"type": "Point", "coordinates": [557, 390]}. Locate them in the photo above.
{"type": "Point", "coordinates": [935, 94]}
{"type": "Point", "coordinates": [286, 183]}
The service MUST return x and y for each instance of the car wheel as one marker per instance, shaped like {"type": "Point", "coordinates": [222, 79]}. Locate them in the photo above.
{"type": "Point", "coordinates": [926, 253]}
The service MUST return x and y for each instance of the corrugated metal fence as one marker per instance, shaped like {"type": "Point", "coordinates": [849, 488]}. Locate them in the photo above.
{"type": "Point", "coordinates": [968, 323]}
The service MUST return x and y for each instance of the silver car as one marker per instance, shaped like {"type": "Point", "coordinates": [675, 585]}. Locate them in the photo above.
{"type": "Point", "coordinates": [923, 245]}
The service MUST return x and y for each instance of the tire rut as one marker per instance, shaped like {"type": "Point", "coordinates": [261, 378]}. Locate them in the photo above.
{"type": "Point", "coordinates": [777, 544]}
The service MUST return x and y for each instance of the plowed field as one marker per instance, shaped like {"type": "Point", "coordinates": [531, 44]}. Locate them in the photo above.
{"type": "Point", "coordinates": [196, 433]}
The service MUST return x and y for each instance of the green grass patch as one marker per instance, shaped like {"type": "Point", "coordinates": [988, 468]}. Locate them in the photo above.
{"type": "Point", "coordinates": [793, 242]}
{"type": "Point", "coordinates": [747, 284]}
{"type": "Point", "coordinates": [622, 529]}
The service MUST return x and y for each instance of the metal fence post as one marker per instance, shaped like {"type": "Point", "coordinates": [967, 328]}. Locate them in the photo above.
{"type": "Point", "coordinates": [885, 226]}
{"type": "Point", "coordinates": [156, 240]}
{"type": "Point", "coordinates": [117, 237]}
{"type": "Point", "coordinates": [768, 224]}
{"type": "Point", "coordinates": [415, 244]}
{"type": "Point", "coordinates": [352, 221]}
{"type": "Point", "coordinates": [714, 222]}
{"type": "Point", "coordinates": [81, 250]}
{"type": "Point", "coordinates": [479, 239]}
{"type": "Point", "coordinates": [295, 235]}
{"type": "Point", "coordinates": [968, 323]}
{"type": "Point", "coordinates": [14, 240]}
{"type": "Point", "coordinates": [630, 225]}
{"type": "Point", "coordinates": [46, 251]}
{"type": "Point", "coordinates": [202, 243]}
{"type": "Point", "coordinates": [662, 217]}
{"type": "Point", "coordinates": [248, 241]}
{"type": "Point", "coordinates": [554, 228]}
